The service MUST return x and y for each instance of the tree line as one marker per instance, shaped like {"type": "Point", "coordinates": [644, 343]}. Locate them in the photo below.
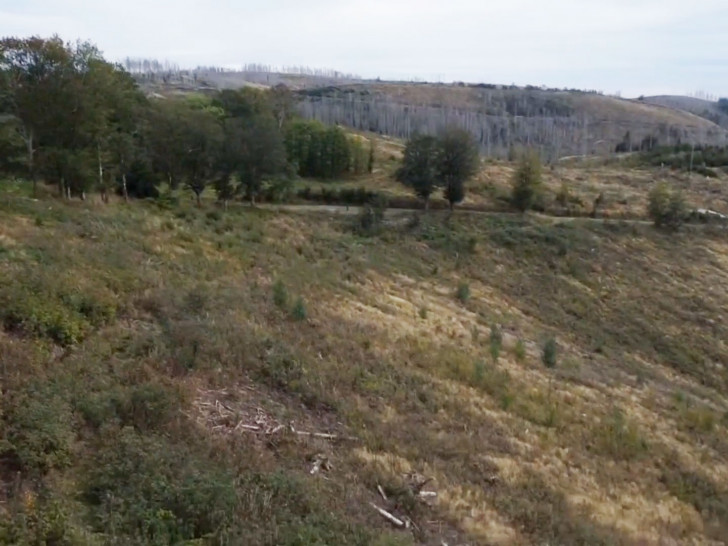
{"type": "Point", "coordinates": [71, 119]}
{"type": "Point", "coordinates": [502, 120]}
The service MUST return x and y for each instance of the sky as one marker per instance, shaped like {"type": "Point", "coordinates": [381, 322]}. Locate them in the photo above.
{"type": "Point", "coordinates": [631, 47]}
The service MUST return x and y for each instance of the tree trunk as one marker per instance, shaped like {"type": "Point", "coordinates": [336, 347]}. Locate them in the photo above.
{"type": "Point", "coordinates": [83, 196]}
{"type": "Point", "coordinates": [199, 201]}
{"type": "Point", "coordinates": [101, 167]}
{"type": "Point", "coordinates": [124, 189]}
{"type": "Point", "coordinates": [427, 203]}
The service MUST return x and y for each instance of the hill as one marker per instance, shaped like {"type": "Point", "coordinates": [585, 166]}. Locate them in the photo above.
{"type": "Point", "coordinates": [560, 123]}
{"type": "Point", "coordinates": [703, 108]}
{"type": "Point", "coordinates": [177, 374]}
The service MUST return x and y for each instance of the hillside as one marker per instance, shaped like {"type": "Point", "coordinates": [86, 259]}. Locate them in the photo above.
{"type": "Point", "coordinates": [703, 108]}
{"type": "Point", "coordinates": [561, 123]}
{"type": "Point", "coordinates": [163, 366]}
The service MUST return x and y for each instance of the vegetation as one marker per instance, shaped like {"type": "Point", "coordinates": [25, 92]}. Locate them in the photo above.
{"type": "Point", "coordinates": [666, 208]}
{"type": "Point", "coordinates": [187, 313]}
{"type": "Point", "coordinates": [174, 373]}
{"type": "Point", "coordinates": [446, 162]}
{"type": "Point", "coordinates": [526, 183]}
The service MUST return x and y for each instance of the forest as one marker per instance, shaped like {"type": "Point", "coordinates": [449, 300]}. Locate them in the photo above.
{"type": "Point", "coordinates": [78, 122]}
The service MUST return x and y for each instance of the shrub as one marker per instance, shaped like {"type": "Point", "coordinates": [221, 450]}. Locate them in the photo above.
{"type": "Point", "coordinates": [666, 208]}
{"type": "Point", "coordinates": [463, 292]}
{"type": "Point", "coordinates": [299, 310]}
{"type": "Point", "coordinates": [496, 342]}
{"type": "Point", "coordinates": [526, 184]}
{"type": "Point", "coordinates": [154, 492]}
{"type": "Point", "coordinates": [280, 294]}
{"type": "Point", "coordinates": [549, 353]}
{"type": "Point", "coordinates": [619, 438]}
{"type": "Point", "coordinates": [371, 217]}
{"type": "Point", "coordinates": [38, 434]}
{"type": "Point", "coordinates": [520, 351]}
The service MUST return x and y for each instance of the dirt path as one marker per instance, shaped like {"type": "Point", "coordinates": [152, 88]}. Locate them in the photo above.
{"type": "Point", "coordinates": [397, 212]}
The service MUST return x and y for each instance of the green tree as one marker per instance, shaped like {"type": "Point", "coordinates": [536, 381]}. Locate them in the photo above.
{"type": "Point", "coordinates": [458, 161]}
{"type": "Point", "coordinates": [262, 153]}
{"type": "Point", "coordinates": [34, 71]}
{"type": "Point", "coordinates": [526, 183]}
{"type": "Point", "coordinates": [420, 166]}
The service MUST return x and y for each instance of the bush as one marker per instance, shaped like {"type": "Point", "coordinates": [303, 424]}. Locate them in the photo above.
{"type": "Point", "coordinates": [549, 353]}
{"type": "Point", "coordinates": [463, 292]}
{"type": "Point", "coordinates": [496, 342]}
{"type": "Point", "coordinates": [619, 438]}
{"type": "Point", "coordinates": [666, 208]}
{"type": "Point", "coordinates": [299, 310]}
{"type": "Point", "coordinates": [520, 351]}
{"type": "Point", "coordinates": [38, 430]}
{"type": "Point", "coordinates": [154, 492]}
{"type": "Point", "coordinates": [526, 184]}
{"type": "Point", "coordinates": [280, 294]}
{"type": "Point", "coordinates": [371, 217]}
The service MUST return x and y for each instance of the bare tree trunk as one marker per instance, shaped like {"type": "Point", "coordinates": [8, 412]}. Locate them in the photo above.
{"type": "Point", "coordinates": [427, 203]}
{"type": "Point", "coordinates": [199, 201]}
{"type": "Point", "coordinates": [101, 167]}
{"type": "Point", "coordinates": [124, 189]}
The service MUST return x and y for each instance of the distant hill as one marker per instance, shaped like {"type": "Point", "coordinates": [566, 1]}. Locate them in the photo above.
{"type": "Point", "coordinates": [559, 122]}
{"type": "Point", "coordinates": [703, 108]}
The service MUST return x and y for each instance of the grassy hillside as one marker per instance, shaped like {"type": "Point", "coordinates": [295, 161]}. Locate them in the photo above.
{"type": "Point", "coordinates": [161, 365]}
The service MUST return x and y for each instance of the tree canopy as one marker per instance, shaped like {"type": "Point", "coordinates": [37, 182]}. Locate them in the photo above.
{"type": "Point", "coordinates": [447, 161]}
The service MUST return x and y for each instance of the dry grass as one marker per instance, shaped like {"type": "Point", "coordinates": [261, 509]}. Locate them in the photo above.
{"type": "Point", "coordinates": [623, 443]}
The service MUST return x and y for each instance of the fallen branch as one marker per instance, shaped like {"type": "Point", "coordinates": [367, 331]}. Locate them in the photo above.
{"type": "Point", "coordinates": [381, 492]}
{"type": "Point", "coordinates": [325, 435]}
{"type": "Point", "coordinates": [398, 522]}
{"type": "Point", "coordinates": [425, 494]}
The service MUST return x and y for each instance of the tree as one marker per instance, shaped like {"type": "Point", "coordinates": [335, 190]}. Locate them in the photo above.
{"type": "Point", "coordinates": [458, 161]}
{"type": "Point", "coordinates": [420, 167]}
{"type": "Point", "coordinates": [262, 153]}
{"type": "Point", "coordinates": [526, 183]}
{"type": "Point", "coordinates": [33, 72]}
{"type": "Point", "coordinates": [253, 147]}
{"type": "Point", "coordinates": [666, 207]}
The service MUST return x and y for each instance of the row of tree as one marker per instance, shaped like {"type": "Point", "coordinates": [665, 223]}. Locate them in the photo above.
{"type": "Point", "coordinates": [70, 118]}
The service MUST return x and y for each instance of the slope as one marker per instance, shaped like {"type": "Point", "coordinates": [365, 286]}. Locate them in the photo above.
{"type": "Point", "coordinates": [159, 369]}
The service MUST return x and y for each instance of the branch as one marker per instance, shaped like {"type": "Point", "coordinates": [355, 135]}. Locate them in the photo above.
{"type": "Point", "coordinates": [398, 522]}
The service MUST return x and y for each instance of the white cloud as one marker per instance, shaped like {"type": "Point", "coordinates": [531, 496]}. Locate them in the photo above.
{"type": "Point", "coordinates": [628, 45]}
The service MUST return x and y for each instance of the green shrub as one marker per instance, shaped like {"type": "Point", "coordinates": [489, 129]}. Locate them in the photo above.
{"type": "Point", "coordinates": [463, 292]}
{"type": "Point", "coordinates": [520, 351]}
{"type": "Point", "coordinates": [526, 184]}
{"type": "Point", "coordinates": [299, 310]}
{"type": "Point", "coordinates": [154, 492]}
{"type": "Point", "coordinates": [549, 353]}
{"type": "Point", "coordinates": [619, 438]}
{"type": "Point", "coordinates": [38, 429]}
{"type": "Point", "coordinates": [280, 294]}
{"type": "Point", "coordinates": [496, 342]}
{"type": "Point", "coordinates": [666, 208]}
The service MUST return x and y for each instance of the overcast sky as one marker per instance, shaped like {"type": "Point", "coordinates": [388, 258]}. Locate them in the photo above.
{"type": "Point", "coordinates": [633, 46]}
